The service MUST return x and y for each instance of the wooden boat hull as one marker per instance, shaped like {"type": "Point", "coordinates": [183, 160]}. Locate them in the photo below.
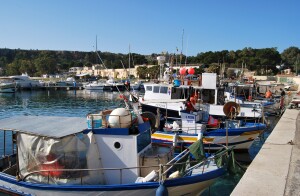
{"type": "Point", "coordinates": [241, 138]}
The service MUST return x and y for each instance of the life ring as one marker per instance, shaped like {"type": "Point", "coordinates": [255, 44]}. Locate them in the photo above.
{"type": "Point", "coordinates": [232, 109]}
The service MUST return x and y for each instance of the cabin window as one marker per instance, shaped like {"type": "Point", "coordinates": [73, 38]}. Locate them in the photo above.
{"type": "Point", "coordinates": [143, 140]}
{"type": "Point", "coordinates": [177, 93]}
{"type": "Point", "coordinates": [156, 89]}
{"type": "Point", "coordinates": [164, 89]}
{"type": "Point", "coordinates": [149, 88]}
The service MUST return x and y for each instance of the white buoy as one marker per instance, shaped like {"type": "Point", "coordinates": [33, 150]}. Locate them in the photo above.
{"type": "Point", "coordinates": [119, 118]}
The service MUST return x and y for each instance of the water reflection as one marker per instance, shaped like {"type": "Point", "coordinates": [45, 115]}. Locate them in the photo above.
{"type": "Point", "coordinates": [80, 103]}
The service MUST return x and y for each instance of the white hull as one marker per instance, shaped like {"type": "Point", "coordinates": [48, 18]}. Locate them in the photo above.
{"type": "Point", "coordinates": [90, 87]}
{"type": "Point", "coordinates": [214, 110]}
{"type": "Point", "coordinates": [24, 81]}
{"type": "Point", "coordinates": [7, 87]}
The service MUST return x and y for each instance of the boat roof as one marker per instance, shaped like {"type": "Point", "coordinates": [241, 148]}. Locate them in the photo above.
{"type": "Point", "coordinates": [47, 126]}
{"type": "Point", "coordinates": [172, 85]}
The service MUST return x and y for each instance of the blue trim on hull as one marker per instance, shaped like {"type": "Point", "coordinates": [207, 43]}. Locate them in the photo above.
{"type": "Point", "coordinates": [134, 186]}
{"type": "Point", "coordinates": [186, 144]}
{"type": "Point", "coordinates": [236, 131]}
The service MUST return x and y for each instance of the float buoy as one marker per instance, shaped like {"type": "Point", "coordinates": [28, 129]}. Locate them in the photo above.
{"type": "Point", "coordinates": [119, 118]}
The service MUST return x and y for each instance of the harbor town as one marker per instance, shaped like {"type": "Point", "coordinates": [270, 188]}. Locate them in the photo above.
{"type": "Point", "coordinates": [152, 98]}
{"type": "Point", "coordinates": [177, 110]}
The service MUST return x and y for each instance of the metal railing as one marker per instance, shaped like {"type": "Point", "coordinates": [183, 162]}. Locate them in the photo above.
{"type": "Point", "coordinates": [163, 169]}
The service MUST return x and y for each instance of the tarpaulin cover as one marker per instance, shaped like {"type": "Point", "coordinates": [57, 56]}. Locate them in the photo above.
{"type": "Point", "coordinates": [78, 151]}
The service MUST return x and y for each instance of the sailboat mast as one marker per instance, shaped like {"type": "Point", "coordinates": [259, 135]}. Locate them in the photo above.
{"type": "Point", "coordinates": [96, 42]}
{"type": "Point", "coordinates": [129, 62]}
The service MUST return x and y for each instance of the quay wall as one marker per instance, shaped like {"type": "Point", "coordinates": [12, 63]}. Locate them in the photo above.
{"type": "Point", "coordinates": [276, 168]}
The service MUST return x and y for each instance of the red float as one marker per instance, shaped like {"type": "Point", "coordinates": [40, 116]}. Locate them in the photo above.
{"type": "Point", "coordinates": [182, 71]}
{"type": "Point", "coordinates": [191, 71]}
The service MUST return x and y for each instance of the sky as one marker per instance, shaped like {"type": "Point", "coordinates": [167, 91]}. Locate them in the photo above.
{"type": "Point", "coordinates": [149, 26]}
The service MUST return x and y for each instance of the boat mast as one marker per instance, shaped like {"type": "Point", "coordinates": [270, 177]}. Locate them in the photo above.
{"type": "Point", "coordinates": [129, 63]}
{"type": "Point", "coordinates": [181, 46]}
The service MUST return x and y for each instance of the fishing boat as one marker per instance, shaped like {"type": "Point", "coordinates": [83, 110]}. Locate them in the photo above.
{"type": "Point", "coordinates": [246, 96]}
{"type": "Point", "coordinates": [107, 153]}
{"type": "Point", "coordinates": [195, 125]}
{"type": "Point", "coordinates": [172, 98]}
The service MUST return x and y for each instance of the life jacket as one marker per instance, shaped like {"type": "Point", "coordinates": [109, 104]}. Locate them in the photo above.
{"type": "Point", "coordinates": [268, 94]}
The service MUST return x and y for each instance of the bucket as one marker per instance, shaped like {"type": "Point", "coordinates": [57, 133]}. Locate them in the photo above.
{"type": "Point", "coordinates": [176, 83]}
{"type": "Point", "coordinates": [94, 121]}
{"type": "Point", "coordinates": [185, 82]}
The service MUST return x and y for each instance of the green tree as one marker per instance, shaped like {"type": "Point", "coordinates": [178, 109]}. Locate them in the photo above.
{"type": "Point", "coordinates": [153, 71]}
{"type": "Point", "coordinates": [142, 72]}
{"type": "Point", "coordinates": [12, 68]}
{"type": "Point", "coordinates": [291, 57]}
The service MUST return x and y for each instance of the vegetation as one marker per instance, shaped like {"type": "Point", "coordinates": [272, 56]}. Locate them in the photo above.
{"type": "Point", "coordinates": [37, 62]}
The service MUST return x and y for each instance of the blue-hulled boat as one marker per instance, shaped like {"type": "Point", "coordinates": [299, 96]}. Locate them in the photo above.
{"type": "Point", "coordinates": [196, 125]}
{"type": "Point", "coordinates": [112, 155]}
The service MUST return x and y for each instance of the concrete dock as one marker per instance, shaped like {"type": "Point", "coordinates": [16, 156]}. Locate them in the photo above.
{"type": "Point", "coordinates": [276, 168]}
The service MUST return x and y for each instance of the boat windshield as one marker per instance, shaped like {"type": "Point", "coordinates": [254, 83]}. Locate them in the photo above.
{"type": "Point", "coordinates": [143, 140]}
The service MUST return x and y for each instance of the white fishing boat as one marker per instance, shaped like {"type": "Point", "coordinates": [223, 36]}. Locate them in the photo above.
{"type": "Point", "coordinates": [112, 155]}
{"type": "Point", "coordinates": [172, 98]}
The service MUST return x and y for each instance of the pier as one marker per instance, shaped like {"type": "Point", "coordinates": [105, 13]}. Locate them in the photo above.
{"type": "Point", "coordinates": [276, 168]}
{"type": "Point", "coordinates": [66, 88]}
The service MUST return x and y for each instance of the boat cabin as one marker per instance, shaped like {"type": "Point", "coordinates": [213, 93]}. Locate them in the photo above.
{"type": "Point", "coordinates": [64, 150]}
{"type": "Point", "coordinates": [208, 91]}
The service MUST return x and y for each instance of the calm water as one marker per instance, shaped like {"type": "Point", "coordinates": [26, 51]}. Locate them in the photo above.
{"type": "Point", "coordinates": [80, 103]}
{"type": "Point", "coordinates": [53, 103]}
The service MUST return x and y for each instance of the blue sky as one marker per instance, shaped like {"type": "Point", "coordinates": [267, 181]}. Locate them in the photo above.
{"type": "Point", "coordinates": [149, 26]}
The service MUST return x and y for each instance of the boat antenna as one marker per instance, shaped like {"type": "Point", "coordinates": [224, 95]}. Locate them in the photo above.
{"type": "Point", "coordinates": [181, 46]}
{"type": "Point", "coordinates": [99, 55]}
{"type": "Point", "coordinates": [187, 43]}
{"type": "Point", "coordinates": [96, 42]}
{"type": "Point", "coordinates": [129, 62]}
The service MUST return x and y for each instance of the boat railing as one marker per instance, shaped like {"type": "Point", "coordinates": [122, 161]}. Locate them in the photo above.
{"type": "Point", "coordinates": [162, 169]}
{"type": "Point", "coordinates": [101, 120]}
{"type": "Point", "coordinates": [83, 171]}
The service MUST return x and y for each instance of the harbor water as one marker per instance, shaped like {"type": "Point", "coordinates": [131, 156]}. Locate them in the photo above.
{"type": "Point", "coordinates": [82, 102]}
